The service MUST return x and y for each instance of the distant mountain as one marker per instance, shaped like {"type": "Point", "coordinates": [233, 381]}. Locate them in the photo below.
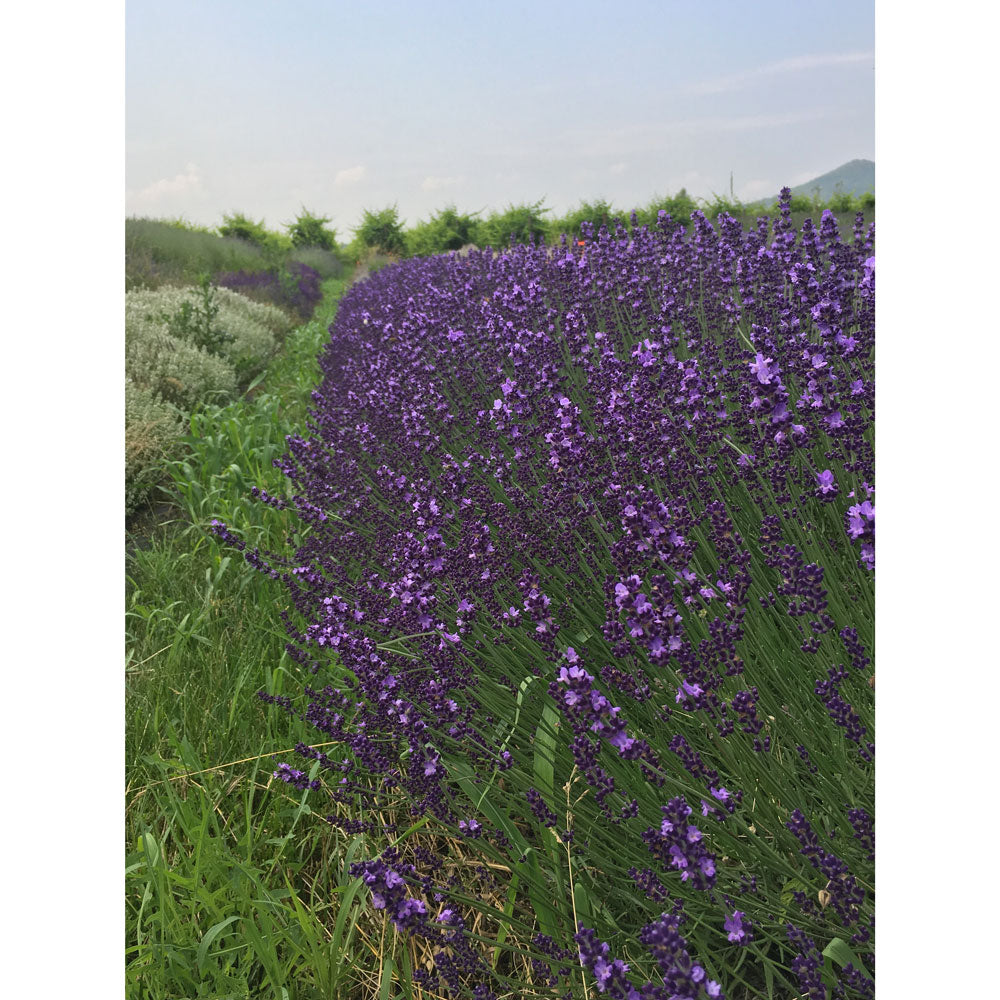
{"type": "Point", "coordinates": [854, 177]}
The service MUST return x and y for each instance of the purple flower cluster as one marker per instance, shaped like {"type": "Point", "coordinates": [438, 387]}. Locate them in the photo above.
{"type": "Point", "coordinates": [860, 521]}
{"type": "Point", "coordinates": [682, 977]}
{"type": "Point", "coordinates": [680, 845]}
{"type": "Point", "coordinates": [736, 930]}
{"type": "Point", "coordinates": [297, 779]}
{"type": "Point", "coordinates": [845, 894]}
{"type": "Point", "coordinates": [610, 976]}
{"type": "Point", "coordinates": [842, 713]}
{"type": "Point", "coordinates": [296, 289]}
{"type": "Point", "coordinates": [807, 964]}
{"type": "Point", "coordinates": [864, 830]}
{"type": "Point", "coordinates": [542, 812]}
{"type": "Point", "coordinates": [390, 892]}
{"type": "Point", "coordinates": [586, 708]}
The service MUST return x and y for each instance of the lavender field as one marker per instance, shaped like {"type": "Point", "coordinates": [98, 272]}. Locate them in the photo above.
{"type": "Point", "coordinates": [583, 602]}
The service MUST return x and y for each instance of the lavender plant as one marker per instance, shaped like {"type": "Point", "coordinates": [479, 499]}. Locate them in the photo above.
{"type": "Point", "coordinates": [585, 584]}
{"type": "Point", "coordinates": [295, 287]}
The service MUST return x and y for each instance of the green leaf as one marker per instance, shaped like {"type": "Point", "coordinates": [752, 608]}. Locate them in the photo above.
{"type": "Point", "coordinates": [504, 926]}
{"type": "Point", "coordinates": [386, 979]}
{"type": "Point", "coordinates": [210, 935]}
{"type": "Point", "coordinates": [584, 908]}
{"type": "Point", "coordinates": [545, 753]}
{"type": "Point", "coordinates": [792, 885]}
{"type": "Point", "coordinates": [842, 953]}
{"type": "Point", "coordinates": [540, 893]}
{"type": "Point", "coordinates": [148, 845]}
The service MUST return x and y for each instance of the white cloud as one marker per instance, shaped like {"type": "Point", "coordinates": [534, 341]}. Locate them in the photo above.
{"type": "Point", "coordinates": [349, 176]}
{"type": "Point", "coordinates": [160, 194]}
{"type": "Point", "coordinates": [437, 183]}
{"type": "Point", "coordinates": [617, 168]}
{"type": "Point", "coordinates": [795, 64]}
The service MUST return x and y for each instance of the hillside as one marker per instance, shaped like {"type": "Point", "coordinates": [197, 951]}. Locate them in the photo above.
{"type": "Point", "coordinates": [855, 177]}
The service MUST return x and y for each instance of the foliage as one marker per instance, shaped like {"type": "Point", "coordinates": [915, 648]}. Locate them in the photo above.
{"type": "Point", "coordinates": [445, 230]}
{"type": "Point", "coordinates": [162, 253]}
{"type": "Point", "coordinates": [189, 227]}
{"type": "Point", "coordinates": [720, 205]}
{"type": "Point", "coordinates": [382, 230]}
{"type": "Point", "coordinates": [596, 213]}
{"type": "Point", "coordinates": [195, 321]}
{"type": "Point", "coordinates": [295, 287]}
{"type": "Point", "coordinates": [679, 207]}
{"type": "Point", "coordinates": [326, 263]}
{"type": "Point", "coordinates": [174, 369]}
{"type": "Point", "coordinates": [243, 328]}
{"type": "Point", "coordinates": [518, 224]}
{"type": "Point", "coordinates": [843, 203]}
{"type": "Point", "coordinates": [185, 347]}
{"type": "Point", "coordinates": [240, 227]}
{"type": "Point", "coordinates": [151, 428]}
{"type": "Point", "coordinates": [588, 591]}
{"type": "Point", "coordinates": [220, 900]}
{"type": "Point", "coordinates": [310, 230]}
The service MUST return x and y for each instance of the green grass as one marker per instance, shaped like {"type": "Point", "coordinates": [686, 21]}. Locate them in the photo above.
{"type": "Point", "coordinates": [232, 887]}
{"type": "Point", "coordinates": [228, 892]}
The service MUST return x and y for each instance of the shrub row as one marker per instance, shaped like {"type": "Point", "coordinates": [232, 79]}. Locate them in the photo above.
{"type": "Point", "coordinates": [184, 347]}
{"type": "Point", "coordinates": [449, 229]}
{"type": "Point", "coordinates": [159, 252]}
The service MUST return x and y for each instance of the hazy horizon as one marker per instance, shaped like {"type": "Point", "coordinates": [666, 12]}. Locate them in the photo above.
{"type": "Point", "coordinates": [262, 109]}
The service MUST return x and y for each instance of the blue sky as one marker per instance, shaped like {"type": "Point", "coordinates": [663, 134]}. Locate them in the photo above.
{"type": "Point", "coordinates": [265, 107]}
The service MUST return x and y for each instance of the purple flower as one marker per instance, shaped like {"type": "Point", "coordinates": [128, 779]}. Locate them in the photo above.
{"type": "Point", "coordinates": [859, 518]}
{"type": "Point", "coordinates": [760, 368]}
{"type": "Point", "coordinates": [686, 691]}
{"type": "Point", "coordinates": [409, 913]}
{"type": "Point", "coordinates": [681, 846]}
{"type": "Point", "coordinates": [860, 523]}
{"type": "Point", "coordinates": [734, 928]}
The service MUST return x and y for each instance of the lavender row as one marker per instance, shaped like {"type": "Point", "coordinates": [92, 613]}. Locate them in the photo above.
{"type": "Point", "coordinates": [587, 579]}
{"type": "Point", "coordinates": [296, 288]}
